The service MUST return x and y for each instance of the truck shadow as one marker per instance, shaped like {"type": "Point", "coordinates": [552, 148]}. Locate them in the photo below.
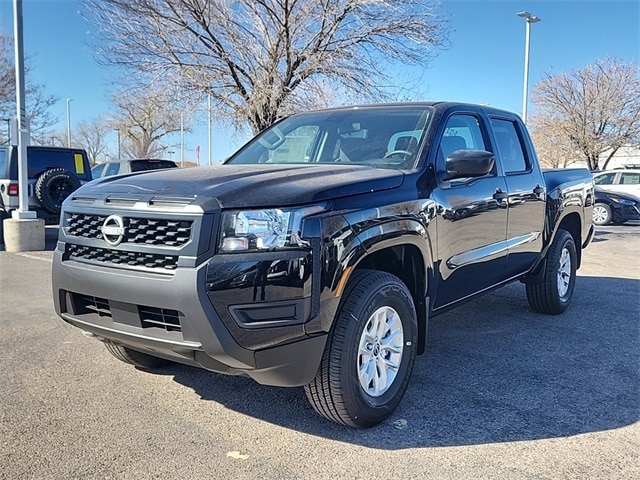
{"type": "Point", "coordinates": [494, 371]}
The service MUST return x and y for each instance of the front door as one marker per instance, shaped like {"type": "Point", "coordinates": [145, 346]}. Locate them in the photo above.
{"type": "Point", "coordinates": [472, 219]}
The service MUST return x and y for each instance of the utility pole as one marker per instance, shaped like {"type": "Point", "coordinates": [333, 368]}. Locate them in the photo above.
{"type": "Point", "coordinates": [23, 132]}
{"type": "Point", "coordinates": [68, 124]}
{"type": "Point", "coordinates": [23, 231]}
{"type": "Point", "coordinates": [525, 93]}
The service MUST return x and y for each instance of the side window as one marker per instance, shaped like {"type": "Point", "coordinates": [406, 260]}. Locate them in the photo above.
{"type": "Point", "coordinates": [112, 169]}
{"type": "Point", "coordinates": [605, 179]}
{"type": "Point", "coordinates": [3, 163]}
{"type": "Point", "coordinates": [630, 178]}
{"type": "Point", "coordinates": [462, 132]}
{"type": "Point", "coordinates": [97, 170]}
{"type": "Point", "coordinates": [509, 146]}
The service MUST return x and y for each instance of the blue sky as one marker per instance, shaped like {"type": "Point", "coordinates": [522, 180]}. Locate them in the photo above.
{"type": "Point", "coordinates": [484, 63]}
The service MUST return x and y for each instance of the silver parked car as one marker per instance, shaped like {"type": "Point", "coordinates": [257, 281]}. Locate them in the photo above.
{"type": "Point", "coordinates": [129, 166]}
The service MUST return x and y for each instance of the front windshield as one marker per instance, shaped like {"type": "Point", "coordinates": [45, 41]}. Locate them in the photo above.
{"type": "Point", "coordinates": [387, 137]}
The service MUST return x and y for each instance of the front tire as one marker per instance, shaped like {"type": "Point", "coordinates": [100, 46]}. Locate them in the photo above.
{"type": "Point", "coordinates": [133, 357]}
{"type": "Point", "coordinates": [370, 352]}
{"type": "Point", "coordinates": [553, 294]}
{"type": "Point", "coordinates": [602, 214]}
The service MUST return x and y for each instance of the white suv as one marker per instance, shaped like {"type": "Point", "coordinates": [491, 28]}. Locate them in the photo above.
{"type": "Point", "coordinates": [619, 181]}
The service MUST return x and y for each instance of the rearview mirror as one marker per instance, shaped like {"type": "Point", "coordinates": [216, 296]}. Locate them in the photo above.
{"type": "Point", "coordinates": [468, 163]}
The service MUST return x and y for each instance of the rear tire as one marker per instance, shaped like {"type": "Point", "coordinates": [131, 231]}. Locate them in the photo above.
{"type": "Point", "coordinates": [369, 354]}
{"type": "Point", "coordinates": [133, 357]}
{"type": "Point", "coordinates": [553, 294]}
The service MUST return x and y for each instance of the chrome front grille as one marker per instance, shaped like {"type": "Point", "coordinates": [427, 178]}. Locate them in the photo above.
{"type": "Point", "coordinates": [143, 231]}
{"type": "Point", "coordinates": [122, 258]}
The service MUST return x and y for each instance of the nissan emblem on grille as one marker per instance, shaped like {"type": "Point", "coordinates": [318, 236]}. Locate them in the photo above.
{"type": "Point", "coordinates": [113, 230]}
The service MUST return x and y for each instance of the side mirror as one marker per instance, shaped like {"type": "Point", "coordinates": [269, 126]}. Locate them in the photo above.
{"type": "Point", "coordinates": [468, 163]}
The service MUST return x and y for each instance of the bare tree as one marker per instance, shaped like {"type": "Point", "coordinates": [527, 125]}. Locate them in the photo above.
{"type": "Point", "coordinates": [38, 102]}
{"type": "Point", "coordinates": [91, 135]}
{"type": "Point", "coordinates": [144, 117]}
{"type": "Point", "coordinates": [262, 59]}
{"type": "Point", "coordinates": [597, 108]}
{"type": "Point", "coordinates": [553, 147]}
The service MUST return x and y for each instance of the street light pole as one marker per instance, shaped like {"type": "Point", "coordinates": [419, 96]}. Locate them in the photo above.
{"type": "Point", "coordinates": [182, 139]}
{"type": "Point", "coordinates": [68, 124]}
{"type": "Point", "coordinates": [525, 91]}
{"type": "Point", "coordinates": [209, 125]}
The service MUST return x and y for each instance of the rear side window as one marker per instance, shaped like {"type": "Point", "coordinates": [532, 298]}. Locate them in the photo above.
{"type": "Point", "coordinates": [3, 162]}
{"type": "Point", "coordinates": [605, 179]}
{"type": "Point", "coordinates": [142, 165]}
{"type": "Point", "coordinates": [509, 146]}
{"type": "Point", "coordinates": [625, 178]}
{"type": "Point", "coordinates": [41, 159]}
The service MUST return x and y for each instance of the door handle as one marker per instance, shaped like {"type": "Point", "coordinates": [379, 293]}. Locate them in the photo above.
{"type": "Point", "coordinates": [538, 190]}
{"type": "Point", "coordinates": [500, 195]}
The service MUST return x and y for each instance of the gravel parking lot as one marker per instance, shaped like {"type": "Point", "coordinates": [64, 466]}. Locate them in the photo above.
{"type": "Point", "coordinates": [502, 392]}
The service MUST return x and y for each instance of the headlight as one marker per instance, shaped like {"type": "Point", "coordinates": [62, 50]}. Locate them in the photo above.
{"type": "Point", "coordinates": [622, 201]}
{"type": "Point", "coordinates": [261, 230]}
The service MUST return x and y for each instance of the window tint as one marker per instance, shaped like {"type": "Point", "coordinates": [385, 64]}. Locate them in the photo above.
{"type": "Point", "coordinates": [143, 165]}
{"type": "Point", "coordinates": [509, 147]}
{"type": "Point", "coordinates": [604, 179]}
{"type": "Point", "coordinates": [625, 178]}
{"type": "Point", "coordinates": [42, 159]}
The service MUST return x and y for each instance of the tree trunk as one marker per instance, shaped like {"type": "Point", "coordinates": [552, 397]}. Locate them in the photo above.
{"type": "Point", "coordinates": [606, 162]}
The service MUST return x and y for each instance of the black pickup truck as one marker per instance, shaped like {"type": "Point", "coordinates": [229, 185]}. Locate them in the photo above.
{"type": "Point", "coordinates": [315, 255]}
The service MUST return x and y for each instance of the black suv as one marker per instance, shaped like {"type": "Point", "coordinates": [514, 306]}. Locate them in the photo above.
{"type": "Point", "coordinates": [53, 174]}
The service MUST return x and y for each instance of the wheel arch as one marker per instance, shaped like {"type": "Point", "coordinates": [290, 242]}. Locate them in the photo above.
{"type": "Point", "coordinates": [407, 257]}
{"type": "Point", "coordinates": [572, 224]}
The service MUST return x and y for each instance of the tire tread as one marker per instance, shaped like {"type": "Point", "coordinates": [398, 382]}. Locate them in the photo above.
{"type": "Point", "coordinates": [325, 392]}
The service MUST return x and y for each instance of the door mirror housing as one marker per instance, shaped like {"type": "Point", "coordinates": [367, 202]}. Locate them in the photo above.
{"type": "Point", "coordinates": [469, 164]}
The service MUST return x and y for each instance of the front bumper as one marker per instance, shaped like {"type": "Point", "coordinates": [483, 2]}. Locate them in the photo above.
{"type": "Point", "coordinates": [623, 213]}
{"type": "Point", "coordinates": [173, 317]}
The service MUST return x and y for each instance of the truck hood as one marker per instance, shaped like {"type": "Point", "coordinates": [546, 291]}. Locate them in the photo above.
{"type": "Point", "coordinates": [241, 186]}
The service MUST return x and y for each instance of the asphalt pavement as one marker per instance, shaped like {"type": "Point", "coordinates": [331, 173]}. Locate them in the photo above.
{"type": "Point", "coordinates": [502, 392]}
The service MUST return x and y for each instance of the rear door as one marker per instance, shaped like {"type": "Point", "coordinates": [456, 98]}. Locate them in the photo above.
{"type": "Point", "coordinates": [629, 182]}
{"type": "Point", "coordinates": [526, 187]}
{"type": "Point", "coordinates": [472, 224]}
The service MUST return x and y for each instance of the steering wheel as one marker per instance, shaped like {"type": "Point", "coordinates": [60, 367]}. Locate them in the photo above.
{"type": "Point", "coordinates": [396, 152]}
